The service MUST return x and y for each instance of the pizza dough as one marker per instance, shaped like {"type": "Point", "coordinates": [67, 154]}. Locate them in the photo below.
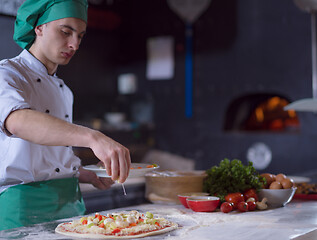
{"type": "Point", "coordinates": [123, 225]}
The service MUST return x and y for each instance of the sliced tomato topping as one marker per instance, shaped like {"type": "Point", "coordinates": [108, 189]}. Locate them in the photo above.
{"type": "Point", "coordinates": [132, 224]}
{"type": "Point", "coordinates": [102, 225]}
{"type": "Point", "coordinates": [116, 230]}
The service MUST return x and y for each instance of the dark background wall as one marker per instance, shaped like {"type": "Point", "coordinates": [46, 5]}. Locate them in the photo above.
{"type": "Point", "coordinates": [240, 48]}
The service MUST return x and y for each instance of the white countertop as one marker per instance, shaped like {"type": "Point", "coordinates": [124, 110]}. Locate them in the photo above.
{"type": "Point", "coordinates": [297, 220]}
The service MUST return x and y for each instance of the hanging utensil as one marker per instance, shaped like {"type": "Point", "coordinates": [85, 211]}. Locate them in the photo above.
{"type": "Point", "coordinates": [308, 104]}
{"type": "Point", "coordinates": [189, 11]}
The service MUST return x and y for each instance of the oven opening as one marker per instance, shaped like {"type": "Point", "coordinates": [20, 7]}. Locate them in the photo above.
{"type": "Point", "coordinates": [260, 112]}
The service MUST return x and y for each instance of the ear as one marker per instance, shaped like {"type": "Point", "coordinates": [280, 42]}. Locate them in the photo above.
{"type": "Point", "coordinates": [39, 30]}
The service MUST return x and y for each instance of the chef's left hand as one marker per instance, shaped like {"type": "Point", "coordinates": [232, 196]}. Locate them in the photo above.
{"type": "Point", "coordinates": [90, 177]}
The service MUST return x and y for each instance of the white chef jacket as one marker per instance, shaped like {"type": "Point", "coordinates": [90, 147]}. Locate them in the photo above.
{"type": "Point", "coordinates": [25, 83]}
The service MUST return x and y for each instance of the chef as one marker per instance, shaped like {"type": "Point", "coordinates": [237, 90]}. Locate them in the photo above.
{"type": "Point", "coordinates": [39, 173]}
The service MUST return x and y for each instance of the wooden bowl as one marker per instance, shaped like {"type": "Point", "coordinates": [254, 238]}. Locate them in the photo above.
{"type": "Point", "coordinates": [165, 186]}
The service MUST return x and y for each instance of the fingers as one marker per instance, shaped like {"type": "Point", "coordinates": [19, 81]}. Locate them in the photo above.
{"type": "Point", "coordinates": [90, 177]}
{"type": "Point", "coordinates": [103, 183]}
{"type": "Point", "coordinates": [123, 167]}
{"type": "Point", "coordinates": [114, 166]}
{"type": "Point", "coordinates": [107, 182]}
{"type": "Point", "coordinates": [128, 158]}
{"type": "Point", "coordinates": [120, 164]}
{"type": "Point", "coordinates": [107, 164]}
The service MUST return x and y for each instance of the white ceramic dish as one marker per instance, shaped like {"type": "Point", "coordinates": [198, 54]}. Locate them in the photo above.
{"type": "Point", "coordinates": [137, 170]}
{"type": "Point", "coordinates": [277, 197]}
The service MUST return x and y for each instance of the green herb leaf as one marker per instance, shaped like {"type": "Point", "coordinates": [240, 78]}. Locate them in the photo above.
{"type": "Point", "coordinates": [231, 176]}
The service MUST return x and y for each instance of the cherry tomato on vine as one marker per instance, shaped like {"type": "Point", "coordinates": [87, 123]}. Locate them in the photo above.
{"type": "Point", "coordinates": [226, 207]}
{"type": "Point", "coordinates": [250, 193]}
{"type": "Point", "coordinates": [242, 206]}
{"type": "Point", "coordinates": [251, 206]}
{"type": "Point", "coordinates": [234, 198]}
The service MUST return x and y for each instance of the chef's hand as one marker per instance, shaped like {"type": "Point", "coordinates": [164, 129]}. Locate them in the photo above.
{"type": "Point", "coordinates": [114, 156]}
{"type": "Point", "coordinates": [90, 177]}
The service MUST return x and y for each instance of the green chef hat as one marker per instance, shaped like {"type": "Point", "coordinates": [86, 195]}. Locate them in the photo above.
{"type": "Point", "coordinates": [33, 13]}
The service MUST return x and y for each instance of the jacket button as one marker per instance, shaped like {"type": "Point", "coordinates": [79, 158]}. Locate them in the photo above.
{"type": "Point", "coordinates": [56, 169]}
{"type": "Point", "coordinates": [38, 80]}
{"type": "Point", "coordinates": [66, 116]}
{"type": "Point", "coordinates": [61, 85]}
{"type": "Point", "coordinates": [47, 111]}
{"type": "Point", "coordinates": [74, 168]}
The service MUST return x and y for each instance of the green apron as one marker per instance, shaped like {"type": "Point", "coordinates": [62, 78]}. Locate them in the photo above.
{"type": "Point", "coordinates": [38, 202]}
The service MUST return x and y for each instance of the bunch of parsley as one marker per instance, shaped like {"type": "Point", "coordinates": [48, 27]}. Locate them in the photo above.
{"type": "Point", "coordinates": [230, 177]}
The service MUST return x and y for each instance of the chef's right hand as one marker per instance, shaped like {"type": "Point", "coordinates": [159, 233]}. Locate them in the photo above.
{"type": "Point", "coordinates": [114, 156]}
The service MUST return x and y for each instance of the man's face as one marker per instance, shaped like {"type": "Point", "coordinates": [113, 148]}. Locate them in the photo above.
{"type": "Point", "coordinates": [59, 40]}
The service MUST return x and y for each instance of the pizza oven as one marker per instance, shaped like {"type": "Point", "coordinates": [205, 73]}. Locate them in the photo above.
{"type": "Point", "coordinates": [261, 112]}
{"type": "Point", "coordinates": [255, 127]}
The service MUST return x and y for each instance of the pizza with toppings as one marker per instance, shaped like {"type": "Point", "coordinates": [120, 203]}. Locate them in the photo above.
{"type": "Point", "coordinates": [123, 225]}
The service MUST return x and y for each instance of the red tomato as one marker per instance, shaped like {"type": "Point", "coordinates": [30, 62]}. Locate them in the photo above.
{"type": "Point", "coordinates": [250, 193]}
{"type": "Point", "coordinates": [116, 230]}
{"type": "Point", "coordinates": [226, 207]}
{"type": "Point", "coordinates": [234, 198]}
{"type": "Point", "coordinates": [242, 206]}
{"type": "Point", "coordinates": [102, 225]}
{"type": "Point", "coordinates": [251, 206]}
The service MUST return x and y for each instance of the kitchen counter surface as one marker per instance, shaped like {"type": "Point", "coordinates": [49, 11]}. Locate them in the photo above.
{"type": "Point", "coordinates": [297, 220]}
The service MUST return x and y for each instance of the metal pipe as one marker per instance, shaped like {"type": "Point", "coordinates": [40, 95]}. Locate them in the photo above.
{"type": "Point", "coordinates": [314, 53]}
